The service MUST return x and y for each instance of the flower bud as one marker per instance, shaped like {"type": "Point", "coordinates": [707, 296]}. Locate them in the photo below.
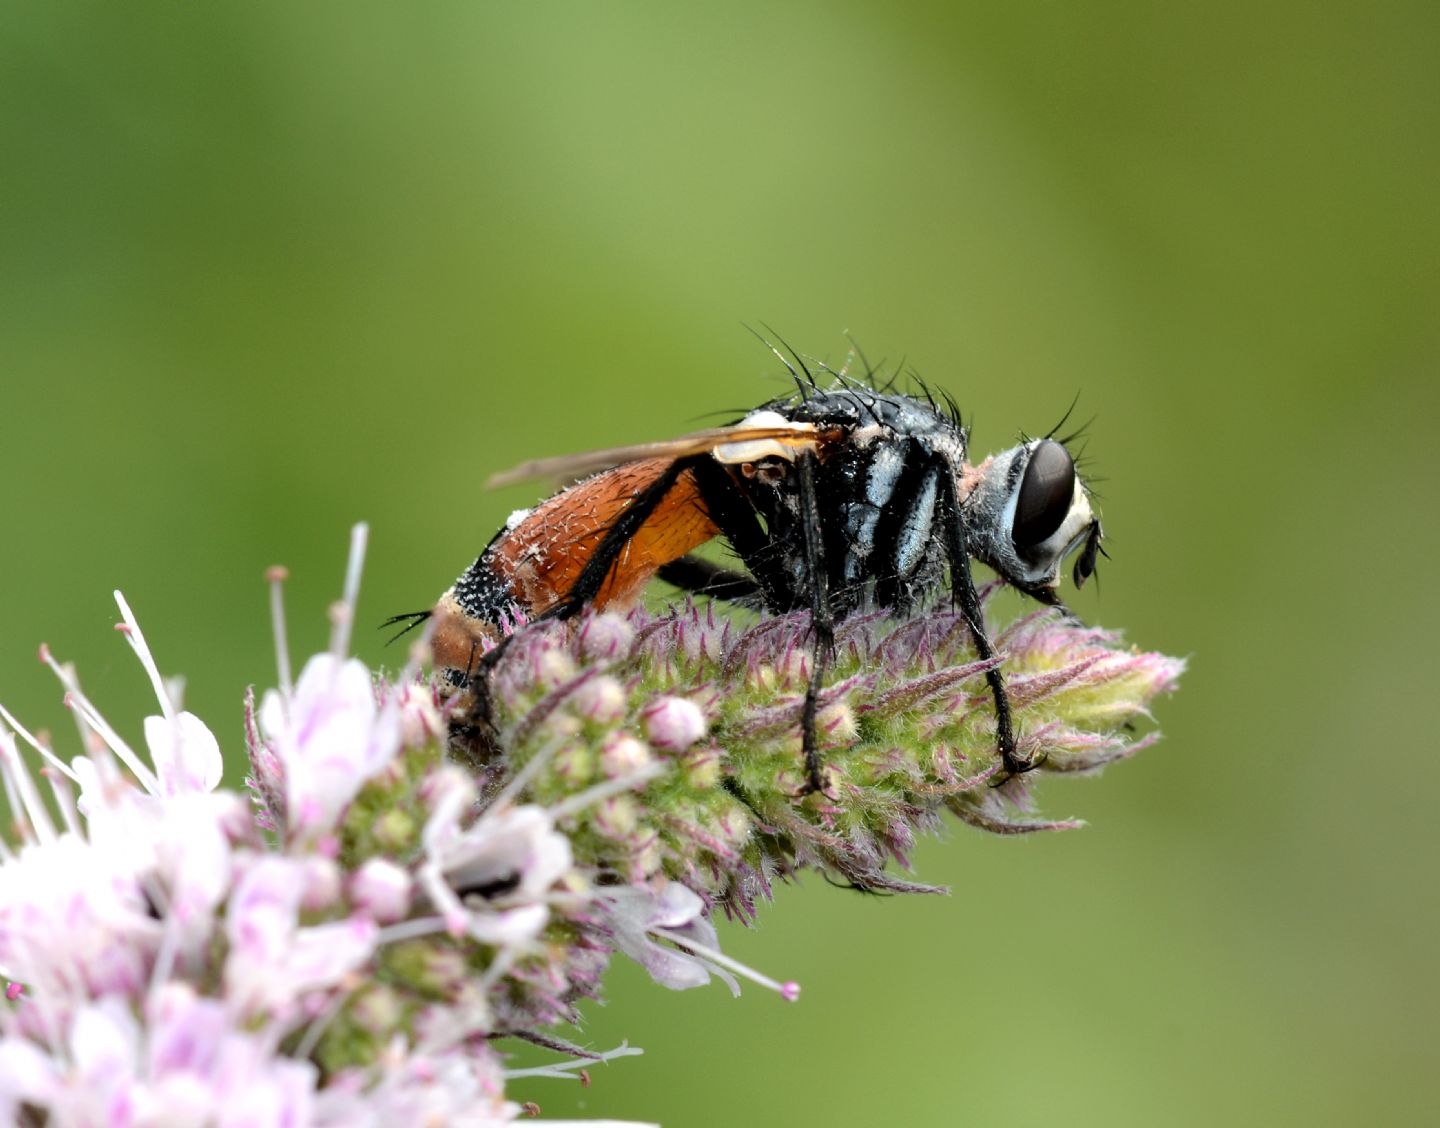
{"type": "Point", "coordinates": [616, 816]}
{"type": "Point", "coordinates": [605, 638]}
{"type": "Point", "coordinates": [623, 754]}
{"type": "Point", "coordinates": [602, 700]}
{"type": "Point", "coordinates": [838, 723]}
{"type": "Point", "coordinates": [702, 767]}
{"type": "Point", "coordinates": [553, 668]}
{"type": "Point", "coordinates": [673, 723]}
{"type": "Point", "coordinates": [419, 719]}
{"type": "Point", "coordinates": [382, 889]}
{"type": "Point", "coordinates": [575, 764]}
{"type": "Point", "coordinates": [322, 883]}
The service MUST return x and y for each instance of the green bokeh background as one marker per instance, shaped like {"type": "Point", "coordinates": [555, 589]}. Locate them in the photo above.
{"type": "Point", "coordinates": [267, 269]}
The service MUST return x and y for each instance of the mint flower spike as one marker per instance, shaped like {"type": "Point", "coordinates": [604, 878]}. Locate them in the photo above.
{"type": "Point", "coordinates": [175, 958]}
{"type": "Point", "coordinates": [352, 948]}
{"type": "Point", "coordinates": [905, 723]}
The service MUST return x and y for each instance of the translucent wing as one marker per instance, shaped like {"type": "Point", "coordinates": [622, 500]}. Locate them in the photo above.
{"type": "Point", "coordinates": [748, 443]}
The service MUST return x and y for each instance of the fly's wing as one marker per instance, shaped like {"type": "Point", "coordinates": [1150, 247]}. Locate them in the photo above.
{"type": "Point", "coordinates": [729, 444]}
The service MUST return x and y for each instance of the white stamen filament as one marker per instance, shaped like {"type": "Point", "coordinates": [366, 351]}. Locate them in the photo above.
{"type": "Point", "coordinates": [169, 944]}
{"type": "Point", "coordinates": [521, 778]}
{"type": "Point", "coordinates": [504, 960]}
{"type": "Point", "coordinates": [64, 799]}
{"type": "Point", "coordinates": [45, 754]}
{"type": "Point", "coordinates": [321, 1022]}
{"type": "Point", "coordinates": [12, 804]}
{"type": "Point", "coordinates": [410, 929]}
{"type": "Point", "coordinates": [277, 577]}
{"type": "Point", "coordinates": [561, 1069]}
{"type": "Point", "coordinates": [345, 618]}
{"type": "Point", "coordinates": [84, 709]}
{"type": "Point", "coordinates": [25, 785]}
{"type": "Point", "coordinates": [136, 638]}
{"type": "Point", "coordinates": [143, 775]}
{"type": "Point", "coordinates": [789, 990]}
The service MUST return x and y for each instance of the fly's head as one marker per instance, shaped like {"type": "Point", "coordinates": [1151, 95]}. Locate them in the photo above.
{"type": "Point", "coordinates": [1026, 511]}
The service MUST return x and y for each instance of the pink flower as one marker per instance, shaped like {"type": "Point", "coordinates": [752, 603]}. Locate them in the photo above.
{"type": "Point", "coordinates": [330, 736]}
{"type": "Point", "coordinates": [490, 879]}
{"type": "Point", "coordinates": [273, 960]}
{"type": "Point", "coordinates": [75, 922]}
{"type": "Point", "coordinates": [186, 1064]}
{"type": "Point", "coordinates": [668, 934]}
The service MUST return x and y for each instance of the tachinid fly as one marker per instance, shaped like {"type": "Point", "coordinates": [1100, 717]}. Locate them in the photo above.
{"type": "Point", "coordinates": [835, 500]}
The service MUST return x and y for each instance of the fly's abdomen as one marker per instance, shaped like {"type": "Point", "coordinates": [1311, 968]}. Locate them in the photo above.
{"type": "Point", "coordinates": [536, 563]}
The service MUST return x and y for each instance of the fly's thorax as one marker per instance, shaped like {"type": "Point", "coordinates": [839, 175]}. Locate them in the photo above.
{"type": "Point", "coordinates": [865, 416]}
{"type": "Point", "coordinates": [1026, 510]}
{"type": "Point", "coordinates": [880, 462]}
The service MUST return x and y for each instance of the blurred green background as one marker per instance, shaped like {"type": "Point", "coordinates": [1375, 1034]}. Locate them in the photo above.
{"type": "Point", "coordinates": [267, 269]}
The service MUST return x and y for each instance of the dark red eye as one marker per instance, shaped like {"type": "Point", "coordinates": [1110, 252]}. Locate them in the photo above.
{"type": "Point", "coordinates": [1045, 494]}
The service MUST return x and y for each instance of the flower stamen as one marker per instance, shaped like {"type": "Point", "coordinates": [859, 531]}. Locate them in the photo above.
{"type": "Point", "coordinates": [275, 576]}
{"type": "Point", "coordinates": [136, 638]}
{"type": "Point", "coordinates": [343, 613]}
{"type": "Point", "coordinates": [789, 990]}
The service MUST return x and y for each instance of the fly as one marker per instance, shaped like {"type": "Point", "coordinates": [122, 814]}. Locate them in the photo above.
{"type": "Point", "coordinates": [835, 500]}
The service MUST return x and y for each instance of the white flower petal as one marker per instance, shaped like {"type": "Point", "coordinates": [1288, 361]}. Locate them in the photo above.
{"type": "Point", "coordinates": [185, 753]}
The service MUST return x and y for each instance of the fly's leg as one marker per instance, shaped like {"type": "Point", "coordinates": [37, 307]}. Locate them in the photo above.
{"type": "Point", "coordinates": [962, 586]}
{"type": "Point", "coordinates": [822, 621]}
{"type": "Point", "coordinates": [732, 511]}
{"type": "Point", "coordinates": [700, 577]}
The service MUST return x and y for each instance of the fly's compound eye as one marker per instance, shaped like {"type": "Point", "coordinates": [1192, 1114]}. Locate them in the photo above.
{"type": "Point", "coordinates": [1046, 492]}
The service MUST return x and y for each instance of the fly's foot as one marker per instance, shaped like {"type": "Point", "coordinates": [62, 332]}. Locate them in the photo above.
{"type": "Point", "coordinates": [1012, 765]}
{"type": "Point", "coordinates": [813, 785]}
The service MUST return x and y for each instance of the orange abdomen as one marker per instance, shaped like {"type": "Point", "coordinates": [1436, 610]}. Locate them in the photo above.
{"type": "Point", "coordinates": [542, 557]}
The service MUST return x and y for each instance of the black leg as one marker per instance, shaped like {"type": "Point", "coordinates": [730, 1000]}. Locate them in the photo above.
{"type": "Point", "coordinates": [962, 587]}
{"type": "Point", "coordinates": [700, 577]}
{"type": "Point", "coordinates": [734, 512]}
{"type": "Point", "coordinates": [731, 509]}
{"type": "Point", "coordinates": [822, 621]}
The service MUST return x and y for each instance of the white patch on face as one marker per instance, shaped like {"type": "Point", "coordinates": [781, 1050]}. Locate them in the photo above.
{"type": "Point", "coordinates": [1051, 552]}
{"type": "Point", "coordinates": [1071, 531]}
{"type": "Point", "coordinates": [999, 465]}
{"type": "Point", "coordinates": [515, 518]}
